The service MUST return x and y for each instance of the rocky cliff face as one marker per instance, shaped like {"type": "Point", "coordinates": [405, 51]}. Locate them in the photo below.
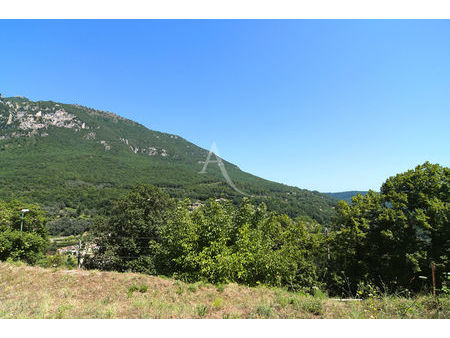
{"type": "Point", "coordinates": [20, 117]}
{"type": "Point", "coordinates": [25, 118]}
{"type": "Point", "coordinates": [66, 154]}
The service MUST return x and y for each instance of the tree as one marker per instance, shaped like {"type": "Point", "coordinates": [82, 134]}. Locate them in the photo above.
{"type": "Point", "coordinates": [391, 238]}
{"type": "Point", "coordinates": [30, 243]}
{"type": "Point", "coordinates": [420, 205]}
{"type": "Point", "coordinates": [129, 239]}
{"type": "Point", "coordinates": [221, 243]}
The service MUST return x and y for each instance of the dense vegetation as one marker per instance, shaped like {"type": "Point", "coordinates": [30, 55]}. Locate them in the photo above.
{"type": "Point", "coordinates": [27, 241]}
{"type": "Point", "coordinates": [82, 170]}
{"type": "Point", "coordinates": [281, 236]}
{"type": "Point", "coordinates": [149, 232]}
{"type": "Point", "coordinates": [390, 239]}
{"type": "Point", "coordinates": [345, 195]}
{"type": "Point", "coordinates": [382, 241]}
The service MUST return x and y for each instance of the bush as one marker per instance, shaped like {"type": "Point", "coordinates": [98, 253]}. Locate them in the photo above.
{"type": "Point", "coordinates": [18, 245]}
{"type": "Point", "coordinates": [66, 226]}
{"type": "Point", "coordinates": [311, 305]}
{"type": "Point", "coordinates": [57, 261]}
{"type": "Point", "coordinates": [29, 244]}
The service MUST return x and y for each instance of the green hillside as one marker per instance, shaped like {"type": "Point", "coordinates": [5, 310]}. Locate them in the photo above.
{"type": "Point", "coordinates": [69, 156]}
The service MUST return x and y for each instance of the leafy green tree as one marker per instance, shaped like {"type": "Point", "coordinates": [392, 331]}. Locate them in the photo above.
{"type": "Point", "coordinates": [420, 201]}
{"type": "Point", "coordinates": [221, 243]}
{"type": "Point", "coordinates": [129, 239]}
{"type": "Point", "coordinates": [30, 243]}
{"type": "Point", "coordinates": [390, 239]}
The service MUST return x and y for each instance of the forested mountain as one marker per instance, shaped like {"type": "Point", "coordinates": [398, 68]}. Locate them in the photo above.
{"type": "Point", "coordinates": [66, 156]}
{"type": "Point", "coordinates": [345, 195]}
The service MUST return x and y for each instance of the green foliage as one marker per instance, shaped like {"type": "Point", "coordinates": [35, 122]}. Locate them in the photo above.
{"type": "Point", "coordinates": [390, 239]}
{"type": "Point", "coordinates": [129, 239]}
{"type": "Point", "coordinates": [218, 243]}
{"type": "Point", "coordinates": [143, 288]}
{"type": "Point", "coordinates": [133, 288]}
{"type": "Point", "coordinates": [345, 195]}
{"type": "Point", "coordinates": [264, 311]}
{"type": "Point", "coordinates": [57, 261]}
{"type": "Point", "coordinates": [311, 304]}
{"type": "Point", "coordinates": [319, 294]}
{"type": "Point", "coordinates": [66, 226]}
{"type": "Point", "coordinates": [221, 243]}
{"type": "Point", "coordinates": [218, 303]}
{"type": "Point", "coordinates": [28, 245]}
{"type": "Point", "coordinates": [192, 288]}
{"type": "Point", "coordinates": [202, 310]}
{"type": "Point", "coordinates": [70, 169]}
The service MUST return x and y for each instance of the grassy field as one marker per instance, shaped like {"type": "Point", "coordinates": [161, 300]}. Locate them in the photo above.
{"type": "Point", "coordinates": [33, 292]}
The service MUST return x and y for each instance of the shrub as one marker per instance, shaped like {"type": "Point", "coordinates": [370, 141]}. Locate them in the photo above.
{"type": "Point", "coordinates": [319, 294]}
{"type": "Point", "coordinates": [18, 245]}
{"type": "Point", "coordinates": [56, 261]}
{"type": "Point", "coordinates": [311, 305]}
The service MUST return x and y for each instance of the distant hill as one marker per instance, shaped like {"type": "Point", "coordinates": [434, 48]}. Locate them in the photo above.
{"type": "Point", "coordinates": [67, 156]}
{"type": "Point", "coordinates": [345, 195]}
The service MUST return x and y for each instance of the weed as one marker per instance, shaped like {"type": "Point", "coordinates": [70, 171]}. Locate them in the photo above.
{"type": "Point", "coordinates": [264, 311]}
{"type": "Point", "coordinates": [294, 302]}
{"type": "Point", "coordinates": [61, 310]}
{"type": "Point", "coordinates": [143, 288]}
{"type": "Point", "coordinates": [109, 313]}
{"type": "Point", "coordinates": [220, 288]}
{"type": "Point", "coordinates": [319, 294]}
{"type": "Point", "coordinates": [281, 299]}
{"type": "Point", "coordinates": [192, 288]}
{"type": "Point", "coordinates": [132, 289]}
{"type": "Point", "coordinates": [218, 303]}
{"type": "Point", "coordinates": [202, 310]}
{"type": "Point", "coordinates": [311, 305]}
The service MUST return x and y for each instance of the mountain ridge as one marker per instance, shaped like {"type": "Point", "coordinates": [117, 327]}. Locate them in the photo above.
{"type": "Point", "coordinates": [345, 195]}
{"type": "Point", "coordinates": [82, 157]}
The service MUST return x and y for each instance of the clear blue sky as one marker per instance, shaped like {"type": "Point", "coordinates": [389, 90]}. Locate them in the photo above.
{"type": "Point", "coordinates": [322, 105]}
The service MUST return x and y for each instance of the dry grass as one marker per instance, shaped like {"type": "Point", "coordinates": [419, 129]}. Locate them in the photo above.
{"type": "Point", "coordinates": [33, 292]}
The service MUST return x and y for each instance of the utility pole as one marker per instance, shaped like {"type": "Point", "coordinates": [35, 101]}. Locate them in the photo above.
{"type": "Point", "coordinates": [23, 213]}
{"type": "Point", "coordinates": [433, 269]}
{"type": "Point", "coordinates": [79, 253]}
